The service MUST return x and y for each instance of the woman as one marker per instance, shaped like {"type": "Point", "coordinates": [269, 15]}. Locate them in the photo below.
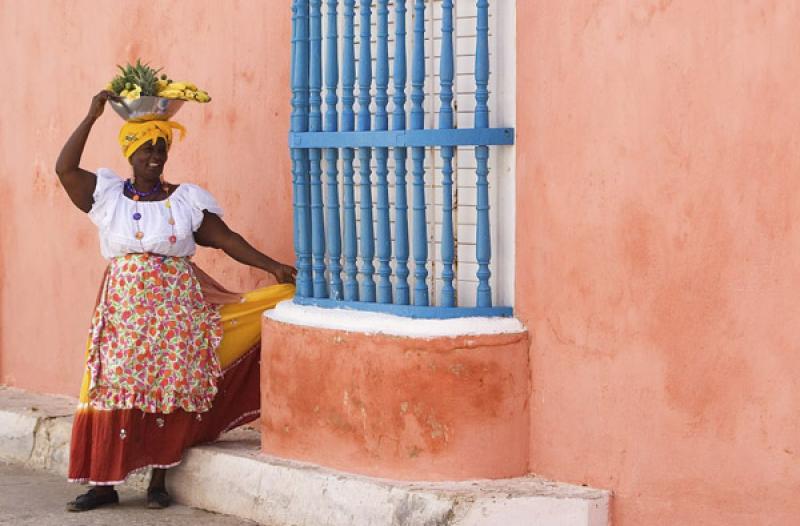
{"type": "Point", "coordinates": [160, 376]}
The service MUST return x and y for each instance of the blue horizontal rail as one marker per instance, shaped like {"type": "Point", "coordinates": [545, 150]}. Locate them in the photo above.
{"type": "Point", "coordinates": [408, 311]}
{"type": "Point", "coordinates": [403, 138]}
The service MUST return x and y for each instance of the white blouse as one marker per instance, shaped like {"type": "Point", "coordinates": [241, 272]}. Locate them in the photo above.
{"type": "Point", "coordinates": [113, 213]}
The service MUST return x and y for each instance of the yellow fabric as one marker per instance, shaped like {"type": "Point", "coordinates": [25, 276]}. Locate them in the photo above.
{"type": "Point", "coordinates": [241, 326]}
{"type": "Point", "coordinates": [134, 134]}
{"type": "Point", "coordinates": [241, 322]}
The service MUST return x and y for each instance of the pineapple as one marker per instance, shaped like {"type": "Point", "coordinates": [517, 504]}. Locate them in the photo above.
{"type": "Point", "coordinates": [141, 75]}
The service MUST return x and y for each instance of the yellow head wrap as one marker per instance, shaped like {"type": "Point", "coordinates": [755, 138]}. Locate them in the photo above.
{"type": "Point", "coordinates": [134, 134]}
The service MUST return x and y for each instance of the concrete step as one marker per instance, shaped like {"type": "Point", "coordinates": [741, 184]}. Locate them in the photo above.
{"type": "Point", "coordinates": [231, 476]}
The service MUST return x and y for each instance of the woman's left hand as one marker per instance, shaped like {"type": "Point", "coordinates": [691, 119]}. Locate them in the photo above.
{"type": "Point", "coordinates": [284, 273]}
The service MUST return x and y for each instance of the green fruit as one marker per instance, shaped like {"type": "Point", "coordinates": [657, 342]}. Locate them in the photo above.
{"type": "Point", "coordinates": [140, 75]}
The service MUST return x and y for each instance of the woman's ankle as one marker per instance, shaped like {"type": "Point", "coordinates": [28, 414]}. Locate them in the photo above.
{"type": "Point", "coordinates": [103, 489]}
{"type": "Point", "coordinates": [158, 479]}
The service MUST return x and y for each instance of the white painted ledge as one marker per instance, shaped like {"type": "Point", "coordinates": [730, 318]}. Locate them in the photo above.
{"type": "Point", "coordinates": [380, 323]}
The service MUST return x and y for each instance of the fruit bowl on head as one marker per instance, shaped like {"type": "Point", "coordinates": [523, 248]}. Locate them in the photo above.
{"type": "Point", "coordinates": [147, 108]}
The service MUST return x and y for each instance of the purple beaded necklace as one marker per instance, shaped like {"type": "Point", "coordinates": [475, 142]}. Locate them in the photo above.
{"type": "Point", "coordinates": [132, 189]}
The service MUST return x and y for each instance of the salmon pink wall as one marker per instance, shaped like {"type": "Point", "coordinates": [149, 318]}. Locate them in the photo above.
{"type": "Point", "coordinates": [442, 408]}
{"type": "Point", "coordinates": [55, 55]}
{"type": "Point", "coordinates": [658, 193]}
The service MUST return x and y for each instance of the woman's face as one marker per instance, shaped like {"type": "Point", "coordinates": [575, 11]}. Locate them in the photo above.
{"type": "Point", "coordinates": [149, 159]}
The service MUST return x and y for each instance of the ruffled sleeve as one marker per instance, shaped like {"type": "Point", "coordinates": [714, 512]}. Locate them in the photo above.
{"type": "Point", "coordinates": [106, 192]}
{"type": "Point", "coordinates": [200, 200]}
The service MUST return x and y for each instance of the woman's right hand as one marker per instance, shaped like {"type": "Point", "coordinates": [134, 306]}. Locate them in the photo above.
{"type": "Point", "coordinates": [99, 103]}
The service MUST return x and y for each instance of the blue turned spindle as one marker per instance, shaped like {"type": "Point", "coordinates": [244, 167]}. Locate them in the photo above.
{"type": "Point", "coordinates": [315, 154]}
{"type": "Point", "coordinates": [365, 154]}
{"type": "Point", "coordinates": [348, 124]}
{"type": "Point", "coordinates": [446, 122]}
{"type": "Point", "coordinates": [332, 154]}
{"type": "Point", "coordinates": [315, 68]}
{"type": "Point", "coordinates": [300, 156]}
{"type": "Point", "coordinates": [418, 158]}
{"type": "Point", "coordinates": [483, 247]}
{"type": "Point", "coordinates": [383, 233]}
{"type": "Point", "coordinates": [293, 126]}
{"type": "Point", "coordinates": [400, 154]}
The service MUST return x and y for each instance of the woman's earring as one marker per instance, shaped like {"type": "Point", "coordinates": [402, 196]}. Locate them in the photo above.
{"type": "Point", "coordinates": [133, 179]}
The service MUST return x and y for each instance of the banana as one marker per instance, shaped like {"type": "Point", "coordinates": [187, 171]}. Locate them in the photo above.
{"type": "Point", "coordinates": [134, 93]}
{"type": "Point", "coordinates": [171, 94]}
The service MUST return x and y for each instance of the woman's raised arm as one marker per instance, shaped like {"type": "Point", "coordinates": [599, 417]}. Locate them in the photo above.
{"type": "Point", "coordinates": [80, 183]}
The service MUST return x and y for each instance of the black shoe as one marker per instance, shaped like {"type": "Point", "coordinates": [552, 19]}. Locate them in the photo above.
{"type": "Point", "coordinates": [93, 499]}
{"type": "Point", "coordinates": [158, 498]}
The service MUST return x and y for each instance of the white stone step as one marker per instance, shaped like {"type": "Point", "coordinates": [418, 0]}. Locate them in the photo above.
{"type": "Point", "coordinates": [232, 476]}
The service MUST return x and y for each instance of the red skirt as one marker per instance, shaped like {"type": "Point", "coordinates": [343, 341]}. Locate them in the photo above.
{"type": "Point", "coordinates": [110, 443]}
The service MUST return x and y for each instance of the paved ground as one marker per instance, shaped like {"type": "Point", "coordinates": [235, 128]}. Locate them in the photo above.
{"type": "Point", "coordinates": [29, 498]}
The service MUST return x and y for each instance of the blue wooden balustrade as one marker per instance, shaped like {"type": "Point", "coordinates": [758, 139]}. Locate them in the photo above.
{"type": "Point", "coordinates": [329, 240]}
{"type": "Point", "coordinates": [418, 158]}
{"type": "Point", "coordinates": [348, 154]}
{"type": "Point", "coordinates": [364, 123]}
{"type": "Point", "coordinates": [402, 296]}
{"type": "Point", "coordinates": [315, 154]}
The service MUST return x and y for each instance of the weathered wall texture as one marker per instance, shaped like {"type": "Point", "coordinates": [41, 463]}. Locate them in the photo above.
{"type": "Point", "coordinates": [55, 56]}
{"type": "Point", "coordinates": [446, 408]}
{"type": "Point", "coordinates": [659, 190]}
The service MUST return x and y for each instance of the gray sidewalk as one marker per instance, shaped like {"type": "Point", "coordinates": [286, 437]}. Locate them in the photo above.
{"type": "Point", "coordinates": [29, 497]}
